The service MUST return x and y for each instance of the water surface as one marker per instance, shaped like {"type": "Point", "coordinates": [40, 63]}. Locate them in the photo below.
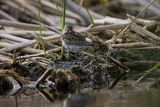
{"type": "Point", "coordinates": [99, 98]}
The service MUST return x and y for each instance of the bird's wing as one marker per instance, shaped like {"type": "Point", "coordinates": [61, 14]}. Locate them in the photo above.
{"type": "Point", "coordinates": [73, 36]}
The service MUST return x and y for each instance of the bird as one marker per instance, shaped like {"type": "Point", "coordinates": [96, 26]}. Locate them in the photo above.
{"type": "Point", "coordinates": [73, 41]}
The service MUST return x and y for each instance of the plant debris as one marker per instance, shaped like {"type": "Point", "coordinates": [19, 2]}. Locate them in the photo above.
{"type": "Point", "coordinates": [31, 50]}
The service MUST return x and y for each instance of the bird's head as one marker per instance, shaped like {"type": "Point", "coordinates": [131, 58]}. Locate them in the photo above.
{"type": "Point", "coordinates": [68, 28]}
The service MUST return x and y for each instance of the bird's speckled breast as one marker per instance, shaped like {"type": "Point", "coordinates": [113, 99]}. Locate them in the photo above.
{"type": "Point", "coordinates": [75, 48]}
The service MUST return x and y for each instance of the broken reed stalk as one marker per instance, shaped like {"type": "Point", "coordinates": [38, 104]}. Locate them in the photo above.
{"type": "Point", "coordinates": [82, 12]}
{"type": "Point", "coordinates": [131, 45]}
{"type": "Point", "coordinates": [7, 16]}
{"type": "Point", "coordinates": [43, 77]}
{"type": "Point", "coordinates": [144, 32]}
{"type": "Point", "coordinates": [23, 50]}
{"type": "Point", "coordinates": [27, 26]}
{"type": "Point", "coordinates": [13, 38]}
{"type": "Point", "coordinates": [54, 7]}
{"type": "Point", "coordinates": [122, 32]}
{"type": "Point", "coordinates": [133, 63]}
{"type": "Point", "coordinates": [25, 44]}
{"type": "Point", "coordinates": [34, 11]}
{"type": "Point", "coordinates": [4, 58]}
{"type": "Point", "coordinates": [105, 27]}
{"type": "Point", "coordinates": [151, 70]}
{"type": "Point", "coordinates": [20, 25]}
{"type": "Point", "coordinates": [39, 54]}
{"type": "Point", "coordinates": [24, 33]}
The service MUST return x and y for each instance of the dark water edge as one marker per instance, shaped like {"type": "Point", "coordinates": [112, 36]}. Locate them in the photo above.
{"type": "Point", "coordinates": [98, 98]}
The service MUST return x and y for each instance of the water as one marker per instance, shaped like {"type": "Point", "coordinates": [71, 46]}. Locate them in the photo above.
{"type": "Point", "coordinates": [100, 98]}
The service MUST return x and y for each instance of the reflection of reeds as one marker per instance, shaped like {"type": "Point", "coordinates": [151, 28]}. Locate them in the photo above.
{"type": "Point", "coordinates": [149, 71]}
{"type": "Point", "coordinates": [16, 76]}
{"type": "Point", "coordinates": [5, 85]}
{"type": "Point", "coordinates": [7, 80]}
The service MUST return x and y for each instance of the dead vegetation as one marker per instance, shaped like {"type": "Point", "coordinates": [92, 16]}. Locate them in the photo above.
{"type": "Point", "coordinates": [30, 46]}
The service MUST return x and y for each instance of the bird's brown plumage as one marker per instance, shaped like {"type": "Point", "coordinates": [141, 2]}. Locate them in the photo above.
{"type": "Point", "coordinates": [74, 38]}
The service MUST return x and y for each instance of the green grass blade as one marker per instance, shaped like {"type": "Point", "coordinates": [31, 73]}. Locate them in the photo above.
{"type": "Point", "coordinates": [40, 33]}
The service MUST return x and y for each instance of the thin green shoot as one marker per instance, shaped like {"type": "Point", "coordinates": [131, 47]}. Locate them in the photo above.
{"type": "Point", "coordinates": [62, 22]}
{"type": "Point", "coordinates": [64, 14]}
{"type": "Point", "coordinates": [58, 10]}
{"type": "Point", "coordinates": [40, 35]}
{"type": "Point", "coordinates": [90, 17]}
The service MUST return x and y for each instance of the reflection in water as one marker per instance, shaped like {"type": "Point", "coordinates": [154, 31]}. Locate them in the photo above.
{"type": "Point", "coordinates": [69, 100]}
{"type": "Point", "coordinates": [79, 100]}
{"type": "Point", "coordinates": [116, 98]}
{"type": "Point", "coordinates": [150, 98]}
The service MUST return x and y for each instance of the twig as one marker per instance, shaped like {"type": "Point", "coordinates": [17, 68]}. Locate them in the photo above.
{"type": "Point", "coordinates": [5, 58]}
{"type": "Point", "coordinates": [121, 33]}
{"type": "Point", "coordinates": [24, 33]}
{"type": "Point", "coordinates": [13, 38]}
{"type": "Point", "coordinates": [7, 16]}
{"type": "Point", "coordinates": [82, 12]}
{"type": "Point", "coordinates": [105, 27]}
{"type": "Point", "coordinates": [25, 44]}
{"type": "Point", "coordinates": [53, 7]}
{"type": "Point", "coordinates": [144, 32]}
{"type": "Point", "coordinates": [118, 62]}
{"type": "Point", "coordinates": [147, 72]}
{"type": "Point", "coordinates": [24, 50]}
{"type": "Point", "coordinates": [154, 8]}
{"type": "Point", "coordinates": [43, 77]}
{"type": "Point", "coordinates": [35, 11]}
{"type": "Point", "coordinates": [131, 45]}
{"type": "Point", "coordinates": [111, 20]}
{"type": "Point", "coordinates": [39, 54]}
{"type": "Point", "coordinates": [20, 25]}
{"type": "Point", "coordinates": [133, 63]}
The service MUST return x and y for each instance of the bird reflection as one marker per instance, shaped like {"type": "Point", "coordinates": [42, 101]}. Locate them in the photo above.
{"type": "Point", "coordinates": [69, 100]}
{"type": "Point", "coordinates": [79, 100]}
